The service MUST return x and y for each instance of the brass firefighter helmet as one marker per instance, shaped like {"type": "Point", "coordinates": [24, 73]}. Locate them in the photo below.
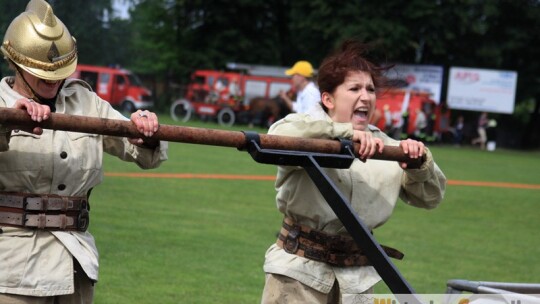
{"type": "Point", "coordinates": [39, 43]}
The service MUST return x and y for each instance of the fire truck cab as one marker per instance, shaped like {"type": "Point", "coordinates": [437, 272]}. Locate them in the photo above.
{"type": "Point", "coordinates": [119, 87]}
{"type": "Point", "coordinates": [226, 94]}
{"type": "Point", "coordinates": [397, 111]}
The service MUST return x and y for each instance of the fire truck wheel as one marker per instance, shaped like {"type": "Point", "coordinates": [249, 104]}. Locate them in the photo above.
{"type": "Point", "coordinates": [181, 110]}
{"type": "Point", "coordinates": [226, 117]}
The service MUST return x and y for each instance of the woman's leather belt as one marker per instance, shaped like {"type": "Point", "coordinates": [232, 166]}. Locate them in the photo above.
{"type": "Point", "coordinates": [44, 211]}
{"type": "Point", "coordinates": [336, 250]}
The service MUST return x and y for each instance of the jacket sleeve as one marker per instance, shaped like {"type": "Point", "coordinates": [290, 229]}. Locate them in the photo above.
{"type": "Point", "coordinates": [301, 125]}
{"type": "Point", "coordinates": [423, 187]}
{"type": "Point", "coordinates": [5, 133]}
{"type": "Point", "coordinates": [145, 158]}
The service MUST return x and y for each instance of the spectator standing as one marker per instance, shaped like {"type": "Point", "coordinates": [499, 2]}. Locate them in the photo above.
{"type": "Point", "coordinates": [458, 130]}
{"type": "Point", "coordinates": [420, 124]}
{"type": "Point", "coordinates": [388, 123]}
{"type": "Point", "coordinates": [481, 129]}
{"type": "Point", "coordinates": [307, 93]}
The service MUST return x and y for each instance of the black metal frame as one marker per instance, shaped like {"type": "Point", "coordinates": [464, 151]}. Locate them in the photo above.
{"type": "Point", "coordinates": [313, 164]}
{"type": "Point", "coordinates": [502, 292]}
{"type": "Point", "coordinates": [483, 287]}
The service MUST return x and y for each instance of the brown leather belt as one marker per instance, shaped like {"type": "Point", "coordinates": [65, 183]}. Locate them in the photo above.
{"type": "Point", "coordinates": [336, 250]}
{"type": "Point", "coordinates": [44, 211]}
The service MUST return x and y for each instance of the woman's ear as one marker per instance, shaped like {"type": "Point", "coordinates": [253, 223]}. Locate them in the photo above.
{"type": "Point", "coordinates": [328, 100]}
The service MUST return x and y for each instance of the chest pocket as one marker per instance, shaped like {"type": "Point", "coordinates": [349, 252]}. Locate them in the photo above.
{"type": "Point", "coordinates": [26, 153]}
{"type": "Point", "coordinates": [86, 150]}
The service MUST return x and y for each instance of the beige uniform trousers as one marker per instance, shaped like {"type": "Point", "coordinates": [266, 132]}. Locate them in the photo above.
{"type": "Point", "coordinates": [84, 292]}
{"type": "Point", "coordinates": [279, 289]}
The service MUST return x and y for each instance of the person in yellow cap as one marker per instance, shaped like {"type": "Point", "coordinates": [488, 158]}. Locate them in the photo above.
{"type": "Point", "coordinates": [307, 93]}
{"type": "Point", "coordinates": [47, 254]}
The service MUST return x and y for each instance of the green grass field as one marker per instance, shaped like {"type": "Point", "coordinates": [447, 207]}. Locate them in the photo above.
{"type": "Point", "coordinates": [203, 240]}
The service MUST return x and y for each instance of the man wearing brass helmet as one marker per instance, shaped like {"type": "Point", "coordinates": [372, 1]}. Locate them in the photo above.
{"type": "Point", "coordinates": [47, 254]}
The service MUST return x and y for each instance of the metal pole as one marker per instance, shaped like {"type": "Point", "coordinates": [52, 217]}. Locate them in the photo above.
{"type": "Point", "coordinates": [17, 118]}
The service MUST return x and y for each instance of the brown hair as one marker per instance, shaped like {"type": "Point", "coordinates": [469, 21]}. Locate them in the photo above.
{"type": "Point", "coordinates": [348, 57]}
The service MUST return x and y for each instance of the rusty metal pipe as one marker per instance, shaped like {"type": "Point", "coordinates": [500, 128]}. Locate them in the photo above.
{"type": "Point", "coordinates": [17, 118]}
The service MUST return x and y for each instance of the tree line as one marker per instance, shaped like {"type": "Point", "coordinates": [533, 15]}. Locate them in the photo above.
{"type": "Point", "coordinates": [165, 40]}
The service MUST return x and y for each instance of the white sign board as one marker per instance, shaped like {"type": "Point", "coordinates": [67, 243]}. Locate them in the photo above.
{"type": "Point", "coordinates": [482, 90]}
{"type": "Point", "coordinates": [423, 78]}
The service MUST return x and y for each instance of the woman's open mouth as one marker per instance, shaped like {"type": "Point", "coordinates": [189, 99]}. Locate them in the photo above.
{"type": "Point", "coordinates": [361, 114]}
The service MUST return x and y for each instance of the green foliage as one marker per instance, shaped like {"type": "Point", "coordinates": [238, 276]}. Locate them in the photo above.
{"type": "Point", "coordinates": [88, 23]}
{"type": "Point", "coordinates": [169, 38]}
{"type": "Point", "coordinates": [10, 10]}
{"type": "Point", "coordinates": [522, 111]}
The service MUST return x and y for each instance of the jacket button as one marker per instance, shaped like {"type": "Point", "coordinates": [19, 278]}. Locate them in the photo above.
{"type": "Point", "coordinates": [63, 155]}
{"type": "Point", "coordinates": [61, 187]}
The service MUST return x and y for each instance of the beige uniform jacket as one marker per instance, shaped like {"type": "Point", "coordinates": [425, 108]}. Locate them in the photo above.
{"type": "Point", "coordinates": [37, 262]}
{"type": "Point", "coordinates": [372, 188]}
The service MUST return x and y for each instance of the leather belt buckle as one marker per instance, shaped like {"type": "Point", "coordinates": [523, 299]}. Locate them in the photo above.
{"type": "Point", "coordinates": [29, 203]}
{"type": "Point", "coordinates": [291, 241]}
{"type": "Point", "coordinates": [83, 220]}
{"type": "Point", "coordinates": [84, 205]}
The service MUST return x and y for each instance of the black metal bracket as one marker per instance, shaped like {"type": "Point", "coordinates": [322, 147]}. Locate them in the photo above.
{"type": "Point", "coordinates": [313, 164]}
{"type": "Point", "coordinates": [298, 158]}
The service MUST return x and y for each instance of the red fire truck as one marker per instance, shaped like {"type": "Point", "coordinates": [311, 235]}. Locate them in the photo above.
{"type": "Point", "coordinates": [225, 95]}
{"type": "Point", "coordinates": [397, 110]}
{"type": "Point", "coordinates": [119, 87]}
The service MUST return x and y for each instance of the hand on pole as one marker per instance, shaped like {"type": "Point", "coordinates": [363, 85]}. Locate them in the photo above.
{"type": "Point", "coordinates": [147, 124]}
{"type": "Point", "coordinates": [415, 149]}
{"type": "Point", "coordinates": [37, 112]}
{"type": "Point", "coordinates": [368, 144]}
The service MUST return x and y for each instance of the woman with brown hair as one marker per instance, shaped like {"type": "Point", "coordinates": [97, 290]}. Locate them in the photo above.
{"type": "Point", "coordinates": [309, 273]}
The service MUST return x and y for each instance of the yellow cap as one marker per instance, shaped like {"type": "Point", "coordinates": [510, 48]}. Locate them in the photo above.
{"type": "Point", "coordinates": [302, 67]}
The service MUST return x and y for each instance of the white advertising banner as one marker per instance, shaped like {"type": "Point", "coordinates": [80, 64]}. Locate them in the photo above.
{"type": "Point", "coordinates": [482, 90]}
{"type": "Point", "coordinates": [423, 78]}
